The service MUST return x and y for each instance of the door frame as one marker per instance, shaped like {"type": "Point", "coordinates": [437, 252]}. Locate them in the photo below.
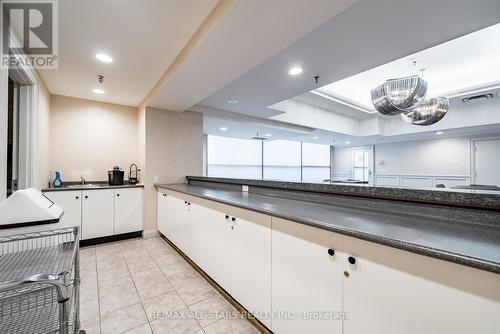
{"type": "Point", "coordinates": [28, 123]}
{"type": "Point", "coordinates": [473, 142]}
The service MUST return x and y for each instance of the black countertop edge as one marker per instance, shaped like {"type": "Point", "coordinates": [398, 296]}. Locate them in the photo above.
{"type": "Point", "coordinates": [478, 199]}
{"type": "Point", "coordinates": [97, 187]}
{"type": "Point", "coordinates": [469, 261]}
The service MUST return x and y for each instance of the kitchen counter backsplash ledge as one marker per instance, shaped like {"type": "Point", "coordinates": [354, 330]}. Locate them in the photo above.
{"type": "Point", "coordinates": [479, 199]}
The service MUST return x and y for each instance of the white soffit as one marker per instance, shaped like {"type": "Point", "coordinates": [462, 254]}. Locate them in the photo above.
{"type": "Point", "coordinates": [468, 63]}
{"type": "Point", "coordinates": [250, 32]}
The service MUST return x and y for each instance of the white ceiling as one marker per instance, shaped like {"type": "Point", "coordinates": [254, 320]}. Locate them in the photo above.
{"type": "Point", "coordinates": [143, 37]}
{"type": "Point", "coordinates": [466, 63]}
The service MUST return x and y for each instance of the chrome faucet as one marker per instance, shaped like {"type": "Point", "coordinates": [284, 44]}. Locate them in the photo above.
{"type": "Point", "coordinates": [82, 179]}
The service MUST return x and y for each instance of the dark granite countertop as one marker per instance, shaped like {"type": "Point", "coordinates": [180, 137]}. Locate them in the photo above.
{"type": "Point", "coordinates": [472, 198]}
{"type": "Point", "coordinates": [470, 244]}
{"type": "Point", "coordinates": [95, 185]}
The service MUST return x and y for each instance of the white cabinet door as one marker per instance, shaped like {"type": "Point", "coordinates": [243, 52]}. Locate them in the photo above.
{"type": "Point", "coordinates": [218, 248]}
{"type": "Point", "coordinates": [181, 227]}
{"type": "Point", "coordinates": [128, 210]}
{"type": "Point", "coordinates": [391, 291]}
{"type": "Point", "coordinates": [164, 217]}
{"type": "Point", "coordinates": [172, 213]}
{"type": "Point", "coordinates": [71, 202]}
{"type": "Point", "coordinates": [196, 241]}
{"type": "Point", "coordinates": [306, 278]}
{"type": "Point", "coordinates": [250, 263]}
{"type": "Point", "coordinates": [97, 213]}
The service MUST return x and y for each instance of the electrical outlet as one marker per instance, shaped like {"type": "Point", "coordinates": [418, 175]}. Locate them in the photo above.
{"type": "Point", "coordinates": [244, 188]}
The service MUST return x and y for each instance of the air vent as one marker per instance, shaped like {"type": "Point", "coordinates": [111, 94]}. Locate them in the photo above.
{"type": "Point", "coordinates": [477, 98]}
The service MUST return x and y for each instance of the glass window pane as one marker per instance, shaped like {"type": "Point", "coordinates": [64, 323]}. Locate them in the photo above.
{"type": "Point", "coordinates": [315, 174]}
{"type": "Point", "coordinates": [234, 157]}
{"type": "Point", "coordinates": [315, 155]}
{"type": "Point", "coordinates": [359, 159]}
{"type": "Point", "coordinates": [282, 160]}
{"type": "Point", "coordinates": [359, 173]}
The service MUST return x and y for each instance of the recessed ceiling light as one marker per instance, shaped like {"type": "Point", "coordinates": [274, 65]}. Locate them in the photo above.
{"type": "Point", "coordinates": [295, 70]}
{"type": "Point", "coordinates": [439, 132]}
{"type": "Point", "coordinates": [268, 135]}
{"type": "Point", "coordinates": [347, 142]}
{"type": "Point", "coordinates": [233, 101]}
{"type": "Point", "coordinates": [98, 91]}
{"type": "Point", "coordinates": [315, 137]}
{"type": "Point", "coordinates": [223, 128]}
{"type": "Point", "coordinates": [104, 58]}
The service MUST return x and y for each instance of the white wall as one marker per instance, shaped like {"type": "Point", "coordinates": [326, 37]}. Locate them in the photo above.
{"type": "Point", "coordinates": [424, 157]}
{"type": "Point", "coordinates": [43, 137]}
{"type": "Point", "coordinates": [422, 163]}
{"type": "Point", "coordinates": [88, 138]}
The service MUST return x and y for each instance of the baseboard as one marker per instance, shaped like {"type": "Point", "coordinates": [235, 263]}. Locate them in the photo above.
{"type": "Point", "coordinates": [152, 233]}
{"type": "Point", "coordinates": [111, 238]}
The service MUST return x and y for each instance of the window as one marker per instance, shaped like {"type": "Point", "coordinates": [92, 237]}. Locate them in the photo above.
{"type": "Point", "coordinates": [283, 160]}
{"type": "Point", "coordinates": [234, 158]}
{"type": "Point", "coordinates": [315, 162]}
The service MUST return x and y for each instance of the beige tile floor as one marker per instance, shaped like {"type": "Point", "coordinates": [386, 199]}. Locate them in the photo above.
{"type": "Point", "coordinates": [143, 286]}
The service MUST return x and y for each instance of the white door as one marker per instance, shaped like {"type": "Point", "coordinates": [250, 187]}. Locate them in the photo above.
{"type": "Point", "coordinates": [128, 210]}
{"type": "Point", "coordinates": [71, 202]}
{"type": "Point", "coordinates": [218, 248]}
{"type": "Point", "coordinates": [196, 243]}
{"type": "Point", "coordinates": [97, 213]}
{"type": "Point", "coordinates": [306, 277]}
{"type": "Point", "coordinates": [250, 263]}
{"type": "Point", "coordinates": [362, 164]}
{"type": "Point", "coordinates": [487, 162]}
{"type": "Point", "coordinates": [391, 291]}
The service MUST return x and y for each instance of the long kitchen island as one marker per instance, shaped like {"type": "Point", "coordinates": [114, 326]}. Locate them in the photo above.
{"type": "Point", "coordinates": [383, 265]}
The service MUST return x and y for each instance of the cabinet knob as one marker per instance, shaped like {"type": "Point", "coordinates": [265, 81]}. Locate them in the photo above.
{"type": "Point", "coordinates": [351, 260]}
{"type": "Point", "coordinates": [227, 216]}
{"type": "Point", "coordinates": [118, 195]}
{"type": "Point", "coordinates": [331, 252]}
{"type": "Point", "coordinates": [77, 197]}
{"type": "Point", "coordinates": [86, 196]}
{"type": "Point", "coordinates": [189, 203]}
{"type": "Point", "coordinates": [185, 202]}
{"type": "Point", "coordinates": [233, 219]}
{"type": "Point", "coordinates": [164, 195]}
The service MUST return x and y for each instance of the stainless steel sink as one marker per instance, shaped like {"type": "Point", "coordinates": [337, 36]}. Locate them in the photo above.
{"type": "Point", "coordinates": [87, 185]}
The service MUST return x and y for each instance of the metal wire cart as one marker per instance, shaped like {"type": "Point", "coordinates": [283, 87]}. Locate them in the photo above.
{"type": "Point", "coordinates": [39, 282]}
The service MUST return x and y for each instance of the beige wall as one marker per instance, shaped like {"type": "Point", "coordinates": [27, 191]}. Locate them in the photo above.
{"type": "Point", "coordinates": [43, 137]}
{"type": "Point", "coordinates": [88, 138]}
{"type": "Point", "coordinates": [173, 149]}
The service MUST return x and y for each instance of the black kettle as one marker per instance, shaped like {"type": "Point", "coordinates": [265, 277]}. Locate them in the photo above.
{"type": "Point", "coordinates": [133, 174]}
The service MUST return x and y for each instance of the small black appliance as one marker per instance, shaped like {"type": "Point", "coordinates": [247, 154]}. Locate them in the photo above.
{"type": "Point", "coordinates": [115, 176]}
